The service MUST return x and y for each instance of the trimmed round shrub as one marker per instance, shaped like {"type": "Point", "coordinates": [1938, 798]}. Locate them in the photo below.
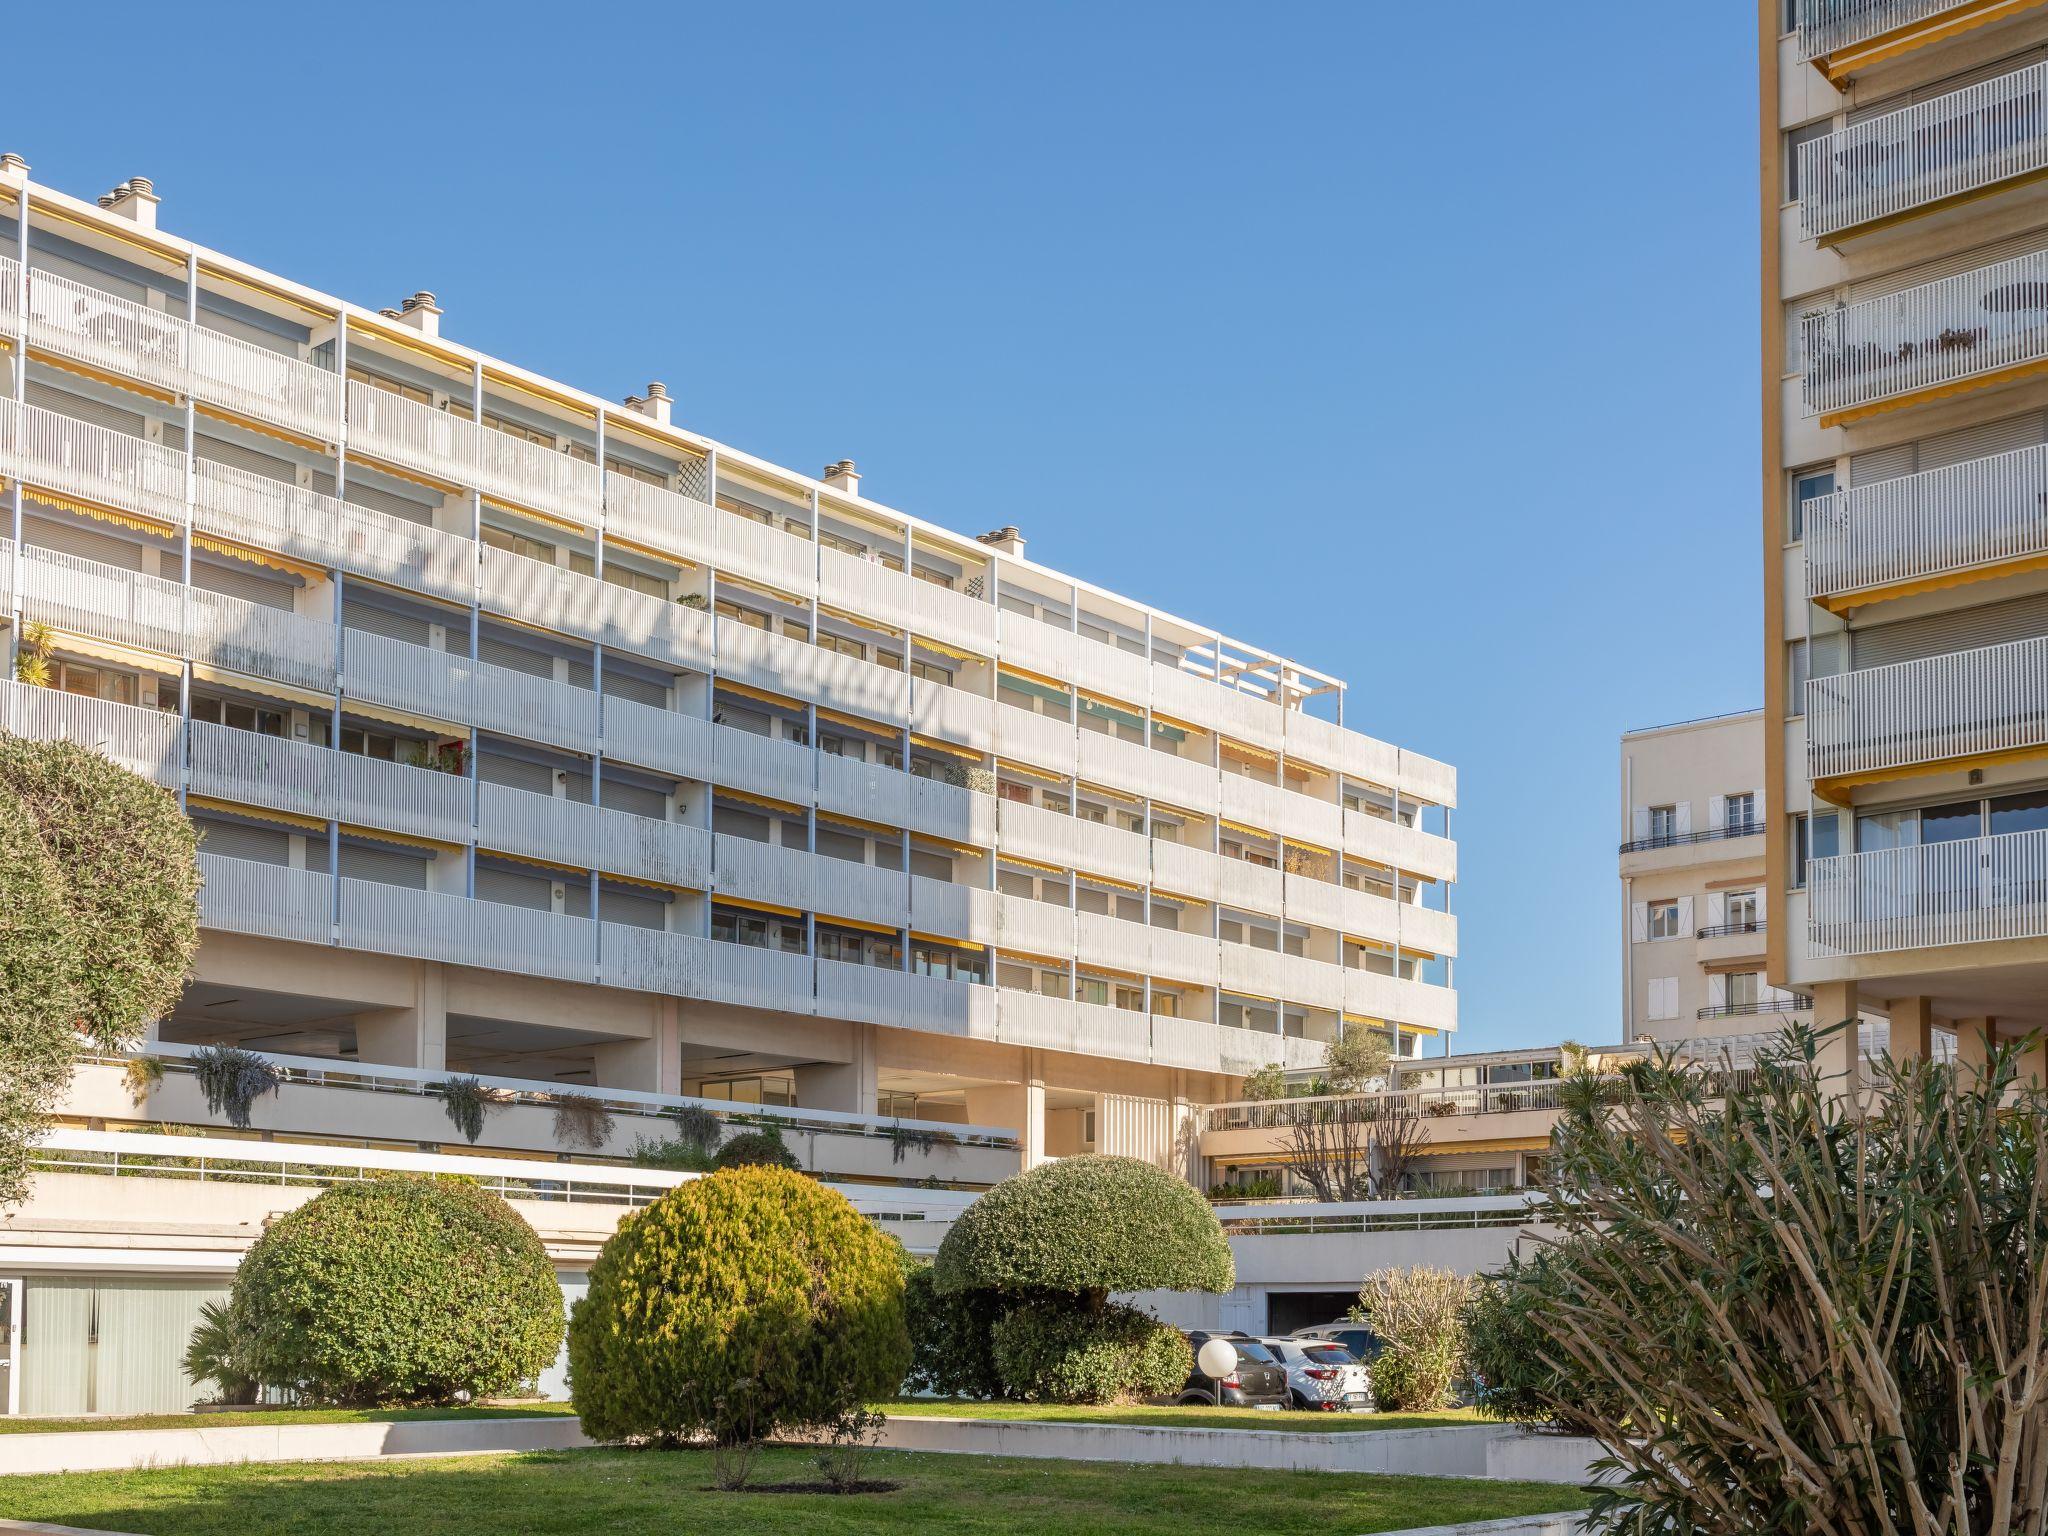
{"type": "Point", "coordinates": [754, 1149]}
{"type": "Point", "coordinates": [1087, 1226]}
{"type": "Point", "coordinates": [1056, 1353]}
{"type": "Point", "coordinates": [404, 1289]}
{"type": "Point", "coordinates": [743, 1303]}
{"type": "Point", "coordinates": [951, 1352]}
{"type": "Point", "coordinates": [38, 1044]}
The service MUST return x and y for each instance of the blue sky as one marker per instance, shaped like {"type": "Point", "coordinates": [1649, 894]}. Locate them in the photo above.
{"type": "Point", "coordinates": [1417, 342]}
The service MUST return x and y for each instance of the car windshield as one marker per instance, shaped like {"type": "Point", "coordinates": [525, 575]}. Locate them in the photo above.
{"type": "Point", "coordinates": [1252, 1349]}
{"type": "Point", "coordinates": [1330, 1354]}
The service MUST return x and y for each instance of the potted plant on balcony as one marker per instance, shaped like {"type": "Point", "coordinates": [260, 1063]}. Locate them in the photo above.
{"type": "Point", "coordinates": [467, 1102]}
{"type": "Point", "coordinates": [581, 1122]}
{"type": "Point", "coordinates": [141, 1078]}
{"type": "Point", "coordinates": [233, 1080]}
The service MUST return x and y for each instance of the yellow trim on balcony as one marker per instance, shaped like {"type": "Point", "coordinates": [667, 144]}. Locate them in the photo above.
{"type": "Point", "coordinates": [253, 556]}
{"type": "Point", "coordinates": [257, 813]}
{"type": "Point", "coordinates": [443, 356]}
{"type": "Point", "coordinates": [917, 936]}
{"type": "Point", "coordinates": [105, 514]}
{"type": "Point", "coordinates": [2019, 565]}
{"type": "Point", "coordinates": [2008, 375]}
{"type": "Point", "coordinates": [864, 926]}
{"type": "Point", "coordinates": [949, 748]}
{"type": "Point", "coordinates": [1838, 67]}
{"type": "Point", "coordinates": [101, 376]}
{"type": "Point", "coordinates": [351, 705]}
{"type": "Point", "coordinates": [626, 419]}
{"type": "Point", "coordinates": [1836, 790]}
{"type": "Point", "coordinates": [105, 226]}
{"type": "Point", "coordinates": [856, 723]}
{"type": "Point", "coordinates": [1249, 831]}
{"type": "Point", "coordinates": [1005, 764]}
{"type": "Point", "coordinates": [408, 840]}
{"type": "Point", "coordinates": [727, 578]}
{"type": "Point", "coordinates": [873, 626]}
{"type": "Point", "coordinates": [720, 899]}
{"type": "Point", "coordinates": [747, 691]}
{"type": "Point", "coordinates": [503, 380]}
{"type": "Point", "coordinates": [263, 686]}
{"type": "Point", "coordinates": [1063, 688]}
{"type": "Point", "coordinates": [118, 655]}
{"type": "Point", "coordinates": [1053, 962]}
{"type": "Point", "coordinates": [841, 819]}
{"type": "Point", "coordinates": [1038, 864]}
{"type": "Point", "coordinates": [1244, 751]}
{"type": "Point", "coordinates": [929, 644]}
{"type": "Point", "coordinates": [214, 270]}
{"type": "Point", "coordinates": [532, 860]}
{"type": "Point", "coordinates": [1839, 237]}
{"type": "Point", "coordinates": [264, 428]}
{"type": "Point", "coordinates": [399, 472]}
{"type": "Point", "coordinates": [767, 802]}
{"type": "Point", "coordinates": [1112, 883]}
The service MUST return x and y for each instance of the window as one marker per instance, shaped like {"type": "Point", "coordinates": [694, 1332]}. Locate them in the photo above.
{"type": "Point", "coordinates": [1663, 919]}
{"type": "Point", "coordinates": [637, 581]}
{"type": "Point", "coordinates": [925, 672]}
{"type": "Point", "coordinates": [746, 616]}
{"type": "Point", "coordinates": [1742, 989]}
{"type": "Point", "coordinates": [1663, 823]}
{"type": "Point", "coordinates": [1742, 909]}
{"type": "Point", "coordinates": [1741, 810]}
{"type": "Point", "coordinates": [1816, 837]}
{"type": "Point", "coordinates": [1662, 1000]}
{"type": "Point", "coordinates": [242, 717]}
{"type": "Point", "coordinates": [1798, 667]}
{"type": "Point", "coordinates": [390, 386]}
{"type": "Point", "coordinates": [95, 682]}
{"type": "Point", "coordinates": [1806, 485]}
{"type": "Point", "coordinates": [844, 646]}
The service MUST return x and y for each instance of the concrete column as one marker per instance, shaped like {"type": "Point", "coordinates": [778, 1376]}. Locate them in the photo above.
{"type": "Point", "coordinates": [1019, 1106]}
{"type": "Point", "coordinates": [1841, 1057]}
{"type": "Point", "coordinates": [851, 1086]}
{"type": "Point", "coordinates": [2033, 1065]}
{"type": "Point", "coordinates": [1973, 1047]}
{"type": "Point", "coordinates": [1912, 1029]}
{"type": "Point", "coordinates": [634, 1064]}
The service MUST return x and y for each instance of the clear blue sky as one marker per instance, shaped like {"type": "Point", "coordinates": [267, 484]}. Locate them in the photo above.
{"type": "Point", "coordinates": [1414, 341]}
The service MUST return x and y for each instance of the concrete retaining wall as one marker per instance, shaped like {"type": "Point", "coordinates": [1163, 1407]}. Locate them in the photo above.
{"type": "Point", "coordinates": [1521, 1457]}
{"type": "Point", "coordinates": [114, 1450]}
{"type": "Point", "coordinates": [1514, 1525]}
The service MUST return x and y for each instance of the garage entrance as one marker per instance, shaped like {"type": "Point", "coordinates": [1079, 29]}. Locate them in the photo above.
{"type": "Point", "coordinates": [1289, 1310]}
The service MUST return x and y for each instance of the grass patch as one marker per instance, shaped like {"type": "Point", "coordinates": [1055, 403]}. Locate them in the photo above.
{"type": "Point", "coordinates": [24, 1426]}
{"type": "Point", "coordinates": [1177, 1417]}
{"type": "Point", "coordinates": [624, 1493]}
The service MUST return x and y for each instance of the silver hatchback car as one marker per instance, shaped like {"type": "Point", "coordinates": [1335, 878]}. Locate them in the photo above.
{"type": "Point", "coordinates": [1323, 1375]}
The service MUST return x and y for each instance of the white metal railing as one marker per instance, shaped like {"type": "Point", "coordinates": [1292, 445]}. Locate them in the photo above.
{"type": "Point", "coordinates": [1826, 25]}
{"type": "Point", "coordinates": [1942, 147]}
{"type": "Point", "coordinates": [550, 596]}
{"type": "Point", "coordinates": [1971, 891]}
{"type": "Point", "coordinates": [1992, 699]}
{"type": "Point", "coordinates": [417, 678]}
{"type": "Point", "coordinates": [665, 519]}
{"type": "Point", "coordinates": [1284, 1218]}
{"type": "Point", "coordinates": [1430, 1103]}
{"type": "Point", "coordinates": [536, 475]}
{"type": "Point", "coordinates": [142, 740]}
{"type": "Point", "coordinates": [1941, 332]}
{"type": "Point", "coordinates": [10, 296]}
{"type": "Point", "coordinates": [244, 896]}
{"type": "Point", "coordinates": [62, 453]}
{"type": "Point", "coordinates": [410, 433]}
{"type": "Point", "coordinates": [1945, 520]}
{"type": "Point", "coordinates": [663, 739]}
{"type": "Point", "coordinates": [268, 385]}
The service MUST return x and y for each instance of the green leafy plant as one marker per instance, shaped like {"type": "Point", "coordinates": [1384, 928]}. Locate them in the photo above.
{"type": "Point", "coordinates": [401, 1289]}
{"type": "Point", "coordinates": [905, 1139]}
{"type": "Point", "coordinates": [219, 1351]}
{"type": "Point", "coordinates": [1269, 1082]}
{"type": "Point", "coordinates": [1419, 1314]}
{"type": "Point", "coordinates": [32, 655]}
{"type": "Point", "coordinates": [699, 1127]}
{"type": "Point", "coordinates": [450, 757]}
{"type": "Point", "coordinates": [742, 1305]}
{"type": "Point", "coordinates": [848, 1447]}
{"type": "Point", "coordinates": [951, 1352]}
{"type": "Point", "coordinates": [756, 1149]}
{"type": "Point", "coordinates": [1790, 1309]}
{"type": "Point", "coordinates": [1060, 1352]}
{"type": "Point", "coordinates": [581, 1122]}
{"type": "Point", "coordinates": [672, 1153]}
{"type": "Point", "coordinates": [467, 1102]}
{"type": "Point", "coordinates": [142, 1076]}
{"type": "Point", "coordinates": [233, 1080]}
{"type": "Point", "coordinates": [39, 994]}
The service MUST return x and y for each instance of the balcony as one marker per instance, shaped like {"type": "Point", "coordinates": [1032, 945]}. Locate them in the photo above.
{"type": "Point", "coordinates": [144, 741]}
{"type": "Point", "coordinates": [1976, 329]}
{"type": "Point", "coordinates": [62, 453]}
{"type": "Point", "coordinates": [304, 780]}
{"type": "Point", "coordinates": [1284, 811]}
{"type": "Point", "coordinates": [519, 822]}
{"type": "Point", "coordinates": [1451, 1117]}
{"type": "Point", "coordinates": [1367, 836]}
{"type": "Point", "coordinates": [1940, 710]}
{"type": "Point", "coordinates": [1733, 830]}
{"type": "Point", "coordinates": [1839, 37]}
{"type": "Point", "coordinates": [1790, 1003]}
{"type": "Point", "coordinates": [446, 446]}
{"type": "Point", "coordinates": [1925, 156]}
{"type": "Point", "coordinates": [661, 519]}
{"type": "Point", "coordinates": [422, 680]}
{"type": "Point", "coordinates": [1972, 891]}
{"type": "Point", "coordinates": [1896, 537]}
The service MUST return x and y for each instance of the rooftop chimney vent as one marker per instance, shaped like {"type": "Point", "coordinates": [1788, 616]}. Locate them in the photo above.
{"type": "Point", "coordinates": [421, 313]}
{"type": "Point", "coordinates": [12, 164]}
{"type": "Point", "coordinates": [1005, 540]}
{"type": "Point", "coordinates": [842, 476]}
{"type": "Point", "coordinates": [655, 405]}
{"type": "Point", "coordinates": [134, 199]}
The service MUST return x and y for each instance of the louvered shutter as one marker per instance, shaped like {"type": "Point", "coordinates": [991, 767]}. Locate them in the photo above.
{"type": "Point", "coordinates": [514, 890]}
{"type": "Point", "coordinates": [516, 658]}
{"type": "Point", "coordinates": [376, 620]}
{"type": "Point", "coordinates": [84, 408]}
{"type": "Point", "coordinates": [1984, 441]}
{"type": "Point", "coordinates": [385, 866]}
{"type": "Point", "coordinates": [1761, 896]}
{"type": "Point", "coordinates": [1717, 990]}
{"type": "Point", "coordinates": [1681, 815]}
{"type": "Point", "coordinates": [1964, 629]}
{"type": "Point", "coordinates": [1877, 464]}
{"type": "Point", "coordinates": [240, 581]}
{"type": "Point", "coordinates": [262, 845]}
{"type": "Point", "coordinates": [1717, 812]}
{"type": "Point", "coordinates": [1639, 922]}
{"type": "Point", "coordinates": [84, 541]}
{"type": "Point", "coordinates": [1685, 914]}
{"type": "Point", "coordinates": [1639, 824]}
{"type": "Point", "coordinates": [1717, 909]}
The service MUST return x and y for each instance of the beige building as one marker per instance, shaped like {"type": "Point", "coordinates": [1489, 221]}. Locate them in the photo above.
{"type": "Point", "coordinates": [1905, 414]}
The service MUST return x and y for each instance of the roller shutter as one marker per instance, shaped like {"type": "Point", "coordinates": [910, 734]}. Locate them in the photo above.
{"type": "Point", "coordinates": [1938, 634]}
{"type": "Point", "coordinates": [240, 581]}
{"type": "Point", "coordinates": [84, 408]}
{"type": "Point", "coordinates": [624, 685]}
{"type": "Point", "coordinates": [514, 658]}
{"type": "Point", "coordinates": [511, 889]}
{"type": "Point", "coordinates": [236, 840]}
{"type": "Point", "coordinates": [84, 541]}
{"type": "Point", "coordinates": [385, 866]}
{"type": "Point", "coordinates": [375, 620]}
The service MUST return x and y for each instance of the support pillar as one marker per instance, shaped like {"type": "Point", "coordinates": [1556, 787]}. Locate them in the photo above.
{"type": "Point", "coordinates": [1019, 1106]}
{"type": "Point", "coordinates": [631, 1064]}
{"type": "Point", "coordinates": [1912, 1029]}
{"type": "Point", "coordinates": [849, 1087]}
{"type": "Point", "coordinates": [1973, 1047]}
{"type": "Point", "coordinates": [1841, 1054]}
{"type": "Point", "coordinates": [409, 1037]}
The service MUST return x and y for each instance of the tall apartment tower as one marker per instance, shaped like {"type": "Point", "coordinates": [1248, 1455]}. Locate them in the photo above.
{"type": "Point", "coordinates": [536, 736]}
{"type": "Point", "coordinates": [1905, 492]}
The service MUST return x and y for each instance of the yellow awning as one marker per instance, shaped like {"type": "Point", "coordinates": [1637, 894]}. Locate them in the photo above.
{"type": "Point", "coordinates": [760, 588]}
{"type": "Point", "coordinates": [104, 514]}
{"type": "Point", "coordinates": [1035, 677]}
{"type": "Point", "coordinates": [1107, 793]}
{"type": "Point", "coordinates": [925, 642]}
{"type": "Point", "coordinates": [101, 376]}
{"type": "Point", "coordinates": [652, 885]}
{"type": "Point", "coordinates": [1119, 885]}
{"type": "Point", "coordinates": [935, 938]}
{"type": "Point", "coordinates": [220, 677]}
{"type": "Point", "coordinates": [719, 899]}
{"type": "Point", "coordinates": [1293, 842]}
{"type": "Point", "coordinates": [1249, 831]}
{"type": "Point", "coordinates": [858, 622]}
{"type": "Point", "coordinates": [259, 813]}
{"type": "Point", "coordinates": [745, 691]}
{"type": "Point", "coordinates": [746, 797]}
{"type": "Point", "coordinates": [390, 716]}
{"type": "Point", "coordinates": [407, 840]}
{"type": "Point", "coordinates": [308, 573]}
{"type": "Point", "coordinates": [854, 722]}
{"type": "Point", "coordinates": [841, 819]}
{"type": "Point", "coordinates": [262, 428]}
{"type": "Point", "coordinates": [1053, 962]}
{"type": "Point", "coordinates": [1010, 765]}
{"type": "Point", "coordinates": [860, 923]}
{"type": "Point", "coordinates": [1020, 860]}
{"type": "Point", "coordinates": [1246, 752]}
{"type": "Point", "coordinates": [400, 472]}
{"type": "Point", "coordinates": [118, 655]}
{"type": "Point", "coordinates": [950, 748]}
{"type": "Point", "coordinates": [545, 519]}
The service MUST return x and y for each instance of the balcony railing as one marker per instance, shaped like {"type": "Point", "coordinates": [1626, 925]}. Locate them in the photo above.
{"type": "Point", "coordinates": [1429, 1103]}
{"type": "Point", "coordinates": [1826, 26]}
{"type": "Point", "coordinates": [1941, 148]}
{"type": "Point", "coordinates": [1727, 930]}
{"type": "Point", "coordinates": [1793, 1003]}
{"type": "Point", "coordinates": [1963, 704]}
{"type": "Point", "coordinates": [1971, 891]}
{"type": "Point", "coordinates": [1978, 513]}
{"type": "Point", "coordinates": [1946, 332]}
{"type": "Point", "coordinates": [1686, 839]}
{"type": "Point", "coordinates": [63, 453]}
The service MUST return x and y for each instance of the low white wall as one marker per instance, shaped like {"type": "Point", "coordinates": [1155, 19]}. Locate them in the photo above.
{"type": "Point", "coordinates": [1514, 1525]}
{"type": "Point", "coordinates": [116, 1450]}
{"type": "Point", "coordinates": [1533, 1458]}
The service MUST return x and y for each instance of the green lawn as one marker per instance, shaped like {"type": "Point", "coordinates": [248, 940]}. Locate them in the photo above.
{"type": "Point", "coordinates": [623, 1493]}
{"type": "Point", "coordinates": [26, 1426]}
{"type": "Point", "coordinates": [1185, 1418]}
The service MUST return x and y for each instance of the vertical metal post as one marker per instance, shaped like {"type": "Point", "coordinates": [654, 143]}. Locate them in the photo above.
{"type": "Point", "coordinates": [476, 597]}
{"type": "Point", "coordinates": [185, 543]}
{"type": "Point", "coordinates": [340, 629]}
{"type": "Point", "coordinates": [597, 756]}
{"type": "Point", "coordinates": [20, 404]}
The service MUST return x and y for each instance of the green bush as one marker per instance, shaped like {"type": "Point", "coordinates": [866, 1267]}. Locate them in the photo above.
{"type": "Point", "coordinates": [218, 1351]}
{"type": "Point", "coordinates": [1087, 1226]}
{"type": "Point", "coordinates": [1516, 1372]}
{"type": "Point", "coordinates": [402, 1289]}
{"type": "Point", "coordinates": [1059, 1353]}
{"type": "Point", "coordinates": [741, 1304]}
{"type": "Point", "coordinates": [1419, 1314]}
{"type": "Point", "coordinates": [755, 1149]}
{"type": "Point", "coordinates": [951, 1352]}
{"type": "Point", "coordinates": [38, 999]}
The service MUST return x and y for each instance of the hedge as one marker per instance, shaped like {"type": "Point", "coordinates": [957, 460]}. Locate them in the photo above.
{"type": "Point", "coordinates": [404, 1289]}
{"type": "Point", "coordinates": [1057, 1353]}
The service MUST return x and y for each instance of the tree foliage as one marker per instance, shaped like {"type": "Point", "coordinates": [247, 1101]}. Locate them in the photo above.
{"type": "Point", "coordinates": [1419, 1314]}
{"type": "Point", "coordinates": [744, 1303]}
{"type": "Point", "coordinates": [401, 1289]}
{"type": "Point", "coordinates": [38, 1000]}
{"type": "Point", "coordinates": [952, 1349]}
{"type": "Point", "coordinates": [1087, 1226]}
{"type": "Point", "coordinates": [1061, 1352]}
{"type": "Point", "coordinates": [755, 1149]}
{"type": "Point", "coordinates": [1802, 1311]}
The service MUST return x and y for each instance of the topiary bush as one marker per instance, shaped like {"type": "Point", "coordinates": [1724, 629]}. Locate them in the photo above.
{"type": "Point", "coordinates": [1087, 1226]}
{"type": "Point", "coordinates": [404, 1289]}
{"type": "Point", "coordinates": [744, 1303]}
{"type": "Point", "coordinates": [755, 1149]}
{"type": "Point", "coordinates": [1060, 1353]}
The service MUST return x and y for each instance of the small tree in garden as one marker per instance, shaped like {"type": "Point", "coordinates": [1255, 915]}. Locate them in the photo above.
{"type": "Point", "coordinates": [1269, 1082]}
{"type": "Point", "coordinates": [1051, 1244]}
{"type": "Point", "coordinates": [1419, 1314]}
{"type": "Point", "coordinates": [755, 1149]}
{"type": "Point", "coordinates": [402, 1289]}
{"type": "Point", "coordinates": [1800, 1314]}
{"type": "Point", "coordinates": [744, 1304]}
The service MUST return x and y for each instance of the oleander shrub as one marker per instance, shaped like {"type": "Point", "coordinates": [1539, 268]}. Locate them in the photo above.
{"type": "Point", "coordinates": [403, 1289]}
{"type": "Point", "coordinates": [1087, 1226]}
{"type": "Point", "coordinates": [1059, 1352]}
{"type": "Point", "coordinates": [1419, 1314]}
{"type": "Point", "coordinates": [952, 1353]}
{"type": "Point", "coordinates": [755, 1149]}
{"type": "Point", "coordinates": [742, 1304]}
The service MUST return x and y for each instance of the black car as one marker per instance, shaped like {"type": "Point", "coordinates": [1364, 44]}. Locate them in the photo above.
{"type": "Point", "coordinates": [1258, 1381]}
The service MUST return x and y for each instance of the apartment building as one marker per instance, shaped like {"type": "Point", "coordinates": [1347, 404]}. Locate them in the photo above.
{"type": "Point", "coordinates": [1905, 413]}
{"type": "Point", "coordinates": [536, 737]}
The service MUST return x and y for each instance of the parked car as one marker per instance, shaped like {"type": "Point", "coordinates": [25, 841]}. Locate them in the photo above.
{"type": "Point", "coordinates": [1356, 1337]}
{"type": "Point", "coordinates": [1323, 1375]}
{"type": "Point", "coordinates": [1258, 1380]}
